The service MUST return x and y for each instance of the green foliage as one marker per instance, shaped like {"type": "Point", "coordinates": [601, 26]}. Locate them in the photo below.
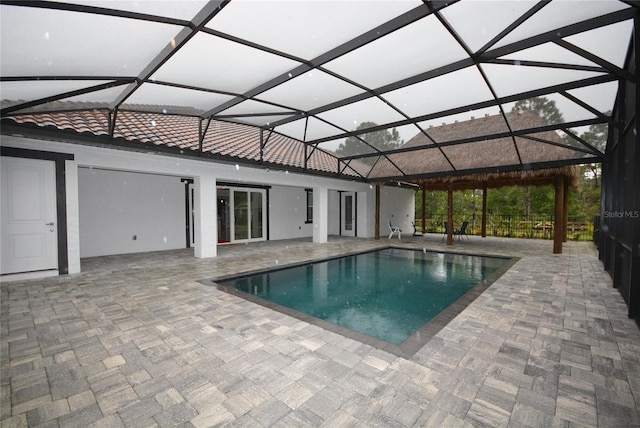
{"type": "Point", "coordinates": [382, 140]}
{"type": "Point", "coordinates": [584, 202]}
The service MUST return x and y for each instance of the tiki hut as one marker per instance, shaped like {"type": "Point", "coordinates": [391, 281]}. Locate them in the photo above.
{"type": "Point", "coordinates": [479, 153]}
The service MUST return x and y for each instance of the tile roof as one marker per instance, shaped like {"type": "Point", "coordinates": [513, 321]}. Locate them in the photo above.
{"type": "Point", "coordinates": [225, 139]}
{"type": "Point", "coordinates": [432, 154]}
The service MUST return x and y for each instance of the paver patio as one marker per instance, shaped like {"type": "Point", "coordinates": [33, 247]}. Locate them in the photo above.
{"type": "Point", "coordinates": [137, 341]}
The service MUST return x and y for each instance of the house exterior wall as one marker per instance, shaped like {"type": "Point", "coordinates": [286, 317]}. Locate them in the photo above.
{"type": "Point", "coordinates": [128, 212]}
{"type": "Point", "coordinates": [398, 205]}
{"type": "Point", "coordinates": [287, 197]}
{"type": "Point", "coordinates": [366, 206]}
{"type": "Point", "coordinates": [288, 212]}
{"type": "Point", "coordinates": [334, 208]}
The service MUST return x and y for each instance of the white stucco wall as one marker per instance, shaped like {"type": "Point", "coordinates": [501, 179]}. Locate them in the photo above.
{"type": "Point", "coordinates": [334, 213]}
{"type": "Point", "coordinates": [116, 206]}
{"type": "Point", "coordinates": [287, 200]}
{"type": "Point", "coordinates": [398, 205]}
{"type": "Point", "coordinates": [365, 220]}
{"type": "Point", "coordinates": [288, 212]}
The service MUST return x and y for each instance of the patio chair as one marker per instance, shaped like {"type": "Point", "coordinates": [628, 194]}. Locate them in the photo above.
{"type": "Point", "coordinates": [462, 231]}
{"type": "Point", "coordinates": [415, 231]}
{"type": "Point", "coordinates": [445, 231]}
{"type": "Point", "coordinates": [393, 229]}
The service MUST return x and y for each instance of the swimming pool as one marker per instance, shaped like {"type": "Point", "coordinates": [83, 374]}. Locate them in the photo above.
{"type": "Point", "coordinates": [388, 295]}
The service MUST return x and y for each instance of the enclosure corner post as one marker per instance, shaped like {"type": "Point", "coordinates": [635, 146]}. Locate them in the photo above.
{"type": "Point", "coordinates": [484, 210]}
{"type": "Point", "coordinates": [377, 223]}
{"type": "Point", "coordinates": [558, 220]}
{"type": "Point", "coordinates": [424, 208]}
{"type": "Point", "coordinates": [565, 203]}
{"type": "Point", "coordinates": [450, 216]}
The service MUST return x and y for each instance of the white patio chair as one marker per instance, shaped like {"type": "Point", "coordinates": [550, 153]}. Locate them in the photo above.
{"type": "Point", "coordinates": [393, 229]}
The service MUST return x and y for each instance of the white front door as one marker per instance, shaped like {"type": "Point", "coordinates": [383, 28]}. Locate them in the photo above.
{"type": "Point", "coordinates": [348, 214]}
{"type": "Point", "coordinates": [29, 236]}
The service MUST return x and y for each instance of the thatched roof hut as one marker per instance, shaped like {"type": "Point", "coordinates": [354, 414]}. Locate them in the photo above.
{"type": "Point", "coordinates": [481, 153]}
{"type": "Point", "coordinates": [453, 155]}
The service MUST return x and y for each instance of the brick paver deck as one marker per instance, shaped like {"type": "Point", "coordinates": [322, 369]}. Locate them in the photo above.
{"type": "Point", "coordinates": [137, 341]}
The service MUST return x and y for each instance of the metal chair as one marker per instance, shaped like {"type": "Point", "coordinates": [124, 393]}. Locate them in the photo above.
{"type": "Point", "coordinates": [462, 231]}
{"type": "Point", "coordinates": [415, 230]}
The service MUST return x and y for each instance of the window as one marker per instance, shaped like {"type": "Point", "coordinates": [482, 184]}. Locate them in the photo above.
{"type": "Point", "coordinates": [309, 205]}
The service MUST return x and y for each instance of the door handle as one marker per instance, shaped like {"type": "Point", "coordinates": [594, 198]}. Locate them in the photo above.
{"type": "Point", "coordinates": [49, 224]}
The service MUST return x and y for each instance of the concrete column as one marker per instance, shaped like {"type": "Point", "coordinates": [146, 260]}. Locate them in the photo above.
{"type": "Point", "coordinates": [206, 216]}
{"type": "Point", "coordinates": [73, 216]}
{"type": "Point", "coordinates": [363, 215]}
{"type": "Point", "coordinates": [320, 214]}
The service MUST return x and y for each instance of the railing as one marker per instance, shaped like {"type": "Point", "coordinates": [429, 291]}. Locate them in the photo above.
{"type": "Point", "coordinates": [513, 226]}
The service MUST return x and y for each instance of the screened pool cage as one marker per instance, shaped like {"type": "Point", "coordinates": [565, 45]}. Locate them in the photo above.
{"type": "Point", "coordinates": [360, 90]}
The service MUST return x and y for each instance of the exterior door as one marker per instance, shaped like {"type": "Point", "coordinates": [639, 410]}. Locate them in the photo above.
{"type": "Point", "coordinates": [249, 214]}
{"type": "Point", "coordinates": [224, 216]}
{"type": "Point", "coordinates": [348, 214]}
{"type": "Point", "coordinates": [29, 236]}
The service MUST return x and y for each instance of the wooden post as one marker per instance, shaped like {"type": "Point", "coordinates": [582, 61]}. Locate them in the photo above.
{"type": "Point", "coordinates": [377, 226]}
{"type": "Point", "coordinates": [424, 207]}
{"type": "Point", "coordinates": [484, 210]}
{"type": "Point", "coordinates": [565, 203]}
{"type": "Point", "coordinates": [558, 219]}
{"type": "Point", "coordinates": [450, 216]}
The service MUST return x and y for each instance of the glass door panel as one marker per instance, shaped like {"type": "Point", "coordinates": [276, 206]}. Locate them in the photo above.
{"type": "Point", "coordinates": [240, 215]}
{"type": "Point", "coordinates": [348, 224]}
{"type": "Point", "coordinates": [248, 208]}
{"type": "Point", "coordinates": [348, 212]}
{"type": "Point", "coordinates": [224, 216]}
{"type": "Point", "coordinates": [256, 215]}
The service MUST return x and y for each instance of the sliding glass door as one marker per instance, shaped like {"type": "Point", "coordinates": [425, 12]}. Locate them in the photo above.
{"type": "Point", "coordinates": [249, 214]}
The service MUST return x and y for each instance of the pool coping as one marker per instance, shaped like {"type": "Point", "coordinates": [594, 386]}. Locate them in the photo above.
{"type": "Point", "coordinates": [409, 346]}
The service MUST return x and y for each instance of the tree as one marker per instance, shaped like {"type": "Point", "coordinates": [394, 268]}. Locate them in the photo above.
{"type": "Point", "coordinates": [382, 140]}
{"type": "Point", "coordinates": [584, 203]}
{"type": "Point", "coordinates": [596, 135]}
{"type": "Point", "coordinates": [545, 108]}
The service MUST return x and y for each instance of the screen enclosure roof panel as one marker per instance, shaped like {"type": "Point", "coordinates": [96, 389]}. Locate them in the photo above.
{"type": "Point", "coordinates": [322, 81]}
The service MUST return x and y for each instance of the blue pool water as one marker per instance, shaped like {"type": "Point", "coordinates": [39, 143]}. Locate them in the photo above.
{"type": "Point", "coordinates": [387, 294]}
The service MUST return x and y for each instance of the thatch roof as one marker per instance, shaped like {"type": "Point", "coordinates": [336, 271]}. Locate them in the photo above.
{"type": "Point", "coordinates": [536, 177]}
{"type": "Point", "coordinates": [445, 155]}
